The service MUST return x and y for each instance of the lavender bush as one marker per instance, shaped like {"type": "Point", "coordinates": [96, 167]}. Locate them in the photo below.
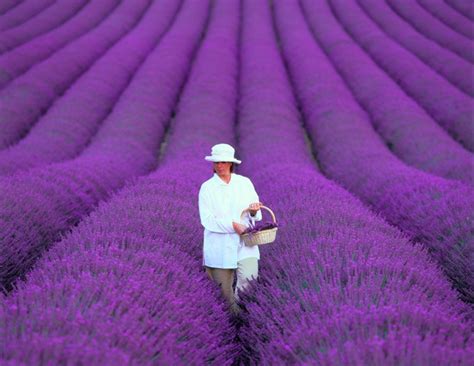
{"type": "Point", "coordinates": [448, 106]}
{"type": "Point", "coordinates": [406, 128]}
{"type": "Point", "coordinates": [339, 286]}
{"type": "Point", "coordinates": [37, 206]}
{"type": "Point", "coordinates": [433, 28]}
{"type": "Point", "coordinates": [448, 16]}
{"type": "Point", "coordinates": [431, 210]}
{"type": "Point", "coordinates": [28, 96]}
{"type": "Point", "coordinates": [22, 12]}
{"type": "Point", "coordinates": [17, 61]}
{"type": "Point", "coordinates": [149, 299]}
{"type": "Point", "coordinates": [66, 128]}
{"type": "Point", "coordinates": [105, 296]}
{"type": "Point", "coordinates": [451, 66]}
{"type": "Point", "coordinates": [463, 7]}
{"type": "Point", "coordinates": [46, 21]}
{"type": "Point", "coordinates": [8, 5]}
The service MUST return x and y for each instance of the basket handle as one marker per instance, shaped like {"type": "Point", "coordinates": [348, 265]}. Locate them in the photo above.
{"type": "Point", "coordinates": [265, 207]}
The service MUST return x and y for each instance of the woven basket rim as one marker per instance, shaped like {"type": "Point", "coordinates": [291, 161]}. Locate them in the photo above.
{"type": "Point", "coordinates": [261, 237]}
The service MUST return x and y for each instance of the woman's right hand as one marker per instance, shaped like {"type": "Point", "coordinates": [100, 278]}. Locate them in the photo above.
{"type": "Point", "coordinates": [239, 228]}
{"type": "Point", "coordinates": [254, 207]}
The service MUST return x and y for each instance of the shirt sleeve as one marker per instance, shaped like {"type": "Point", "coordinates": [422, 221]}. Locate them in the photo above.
{"type": "Point", "coordinates": [212, 223]}
{"type": "Point", "coordinates": [254, 198]}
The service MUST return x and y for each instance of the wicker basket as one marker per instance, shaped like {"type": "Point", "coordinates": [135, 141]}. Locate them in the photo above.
{"type": "Point", "coordinates": [261, 237]}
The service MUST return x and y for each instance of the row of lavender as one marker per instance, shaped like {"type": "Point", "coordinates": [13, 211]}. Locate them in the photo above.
{"type": "Point", "coordinates": [7, 5]}
{"type": "Point", "coordinates": [21, 58]}
{"type": "Point", "coordinates": [446, 104]}
{"type": "Point", "coordinates": [340, 286]}
{"type": "Point", "coordinates": [432, 210]}
{"type": "Point", "coordinates": [27, 96]}
{"type": "Point", "coordinates": [56, 14]}
{"type": "Point", "coordinates": [134, 264]}
{"type": "Point", "coordinates": [449, 16]}
{"type": "Point", "coordinates": [453, 67]}
{"type": "Point", "coordinates": [450, 160]}
{"type": "Point", "coordinates": [406, 128]}
{"type": "Point", "coordinates": [417, 17]}
{"type": "Point", "coordinates": [19, 11]}
{"type": "Point", "coordinates": [36, 206]}
{"type": "Point", "coordinates": [69, 124]}
{"type": "Point", "coordinates": [464, 8]}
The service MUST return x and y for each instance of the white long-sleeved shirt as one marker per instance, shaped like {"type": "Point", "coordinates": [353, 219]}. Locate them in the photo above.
{"type": "Point", "coordinates": [221, 203]}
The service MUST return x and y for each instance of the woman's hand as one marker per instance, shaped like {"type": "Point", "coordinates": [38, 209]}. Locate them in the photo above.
{"type": "Point", "coordinates": [254, 207]}
{"type": "Point", "coordinates": [239, 228]}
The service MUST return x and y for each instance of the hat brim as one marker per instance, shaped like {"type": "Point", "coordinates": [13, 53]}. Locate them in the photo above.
{"type": "Point", "coordinates": [215, 160]}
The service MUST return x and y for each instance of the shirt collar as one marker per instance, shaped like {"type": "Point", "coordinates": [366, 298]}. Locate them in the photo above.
{"type": "Point", "coordinates": [219, 181]}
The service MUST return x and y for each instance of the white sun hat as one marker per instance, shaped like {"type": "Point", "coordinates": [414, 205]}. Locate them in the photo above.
{"type": "Point", "coordinates": [222, 152]}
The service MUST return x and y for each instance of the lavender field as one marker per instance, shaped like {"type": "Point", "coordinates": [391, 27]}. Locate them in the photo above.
{"type": "Point", "coordinates": [353, 118]}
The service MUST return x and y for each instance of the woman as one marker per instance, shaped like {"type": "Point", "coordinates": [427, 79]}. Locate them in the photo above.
{"type": "Point", "coordinates": [222, 199]}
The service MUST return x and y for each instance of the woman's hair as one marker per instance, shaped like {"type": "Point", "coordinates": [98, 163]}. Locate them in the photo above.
{"type": "Point", "coordinates": [231, 168]}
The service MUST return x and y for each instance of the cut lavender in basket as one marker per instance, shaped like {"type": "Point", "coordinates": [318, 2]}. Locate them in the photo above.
{"type": "Point", "coordinates": [259, 226]}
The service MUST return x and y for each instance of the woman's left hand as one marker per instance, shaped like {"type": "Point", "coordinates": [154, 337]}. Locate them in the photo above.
{"type": "Point", "coordinates": [239, 228]}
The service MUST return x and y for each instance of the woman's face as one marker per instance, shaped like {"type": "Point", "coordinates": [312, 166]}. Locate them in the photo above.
{"type": "Point", "coordinates": [222, 168]}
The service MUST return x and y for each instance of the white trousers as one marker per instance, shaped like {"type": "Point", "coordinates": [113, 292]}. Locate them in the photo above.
{"type": "Point", "coordinates": [246, 270]}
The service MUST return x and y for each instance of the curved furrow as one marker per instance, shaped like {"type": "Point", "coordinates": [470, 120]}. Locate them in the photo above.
{"type": "Point", "coordinates": [125, 147]}
{"type": "Point", "coordinates": [431, 210]}
{"type": "Point", "coordinates": [433, 29]}
{"type": "Point", "coordinates": [48, 20]}
{"type": "Point", "coordinates": [339, 285]}
{"type": "Point", "coordinates": [24, 11]}
{"type": "Point", "coordinates": [67, 127]}
{"type": "Point", "coordinates": [453, 68]}
{"type": "Point", "coordinates": [29, 96]}
{"type": "Point", "coordinates": [466, 8]}
{"type": "Point", "coordinates": [448, 106]}
{"type": "Point", "coordinates": [449, 16]}
{"type": "Point", "coordinates": [7, 5]}
{"type": "Point", "coordinates": [406, 128]}
{"type": "Point", "coordinates": [19, 60]}
{"type": "Point", "coordinates": [152, 303]}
